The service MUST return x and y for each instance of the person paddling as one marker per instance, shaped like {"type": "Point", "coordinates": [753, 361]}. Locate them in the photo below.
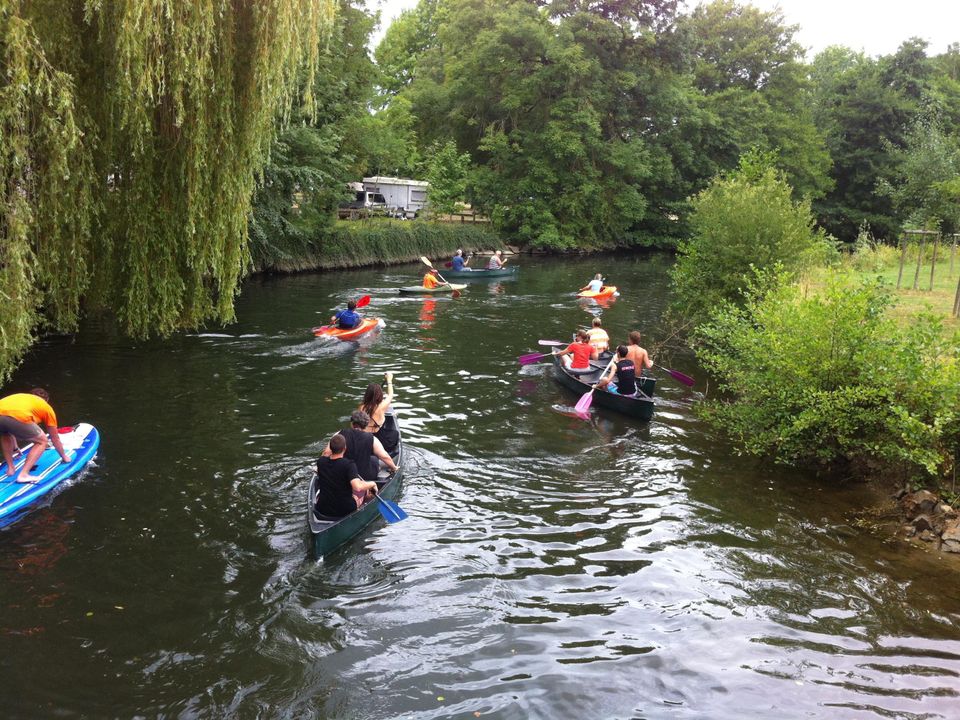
{"type": "Point", "coordinates": [496, 261]}
{"type": "Point", "coordinates": [349, 318]}
{"type": "Point", "coordinates": [594, 285]}
{"type": "Point", "coordinates": [21, 418]}
{"type": "Point", "coordinates": [459, 263]}
{"type": "Point", "coordinates": [625, 372]}
{"type": "Point", "coordinates": [636, 353]}
{"type": "Point", "coordinates": [376, 403]}
{"type": "Point", "coordinates": [340, 489]}
{"type": "Point", "coordinates": [431, 279]}
{"type": "Point", "coordinates": [363, 448]}
{"type": "Point", "coordinates": [580, 351]}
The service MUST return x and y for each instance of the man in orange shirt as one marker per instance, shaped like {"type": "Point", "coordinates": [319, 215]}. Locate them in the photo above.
{"type": "Point", "coordinates": [430, 279]}
{"type": "Point", "coordinates": [21, 416]}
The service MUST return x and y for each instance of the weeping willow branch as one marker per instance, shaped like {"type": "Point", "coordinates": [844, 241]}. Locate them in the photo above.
{"type": "Point", "coordinates": [132, 133]}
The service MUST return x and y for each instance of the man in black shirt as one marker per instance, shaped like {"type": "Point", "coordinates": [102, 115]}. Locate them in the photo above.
{"type": "Point", "coordinates": [626, 373]}
{"type": "Point", "coordinates": [340, 489]}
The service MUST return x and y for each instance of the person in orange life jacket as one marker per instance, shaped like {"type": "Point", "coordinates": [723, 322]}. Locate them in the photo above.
{"type": "Point", "coordinates": [340, 489]}
{"type": "Point", "coordinates": [598, 336]}
{"type": "Point", "coordinates": [431, 281]}
{"type": "Point", "coordinates": [625, 372]}
{"type": "Point", "coordinates": [21, 418]}
{"type": "Point", "coordinates": [580, 351]}
{"type": "Point", "coordinates": [363, 448]}
{"type": "Point", "coordinates": [349, 318]}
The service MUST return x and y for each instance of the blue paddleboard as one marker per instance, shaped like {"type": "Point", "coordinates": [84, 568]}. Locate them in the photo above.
{"type": "Point", "coordinates": [80, 443]}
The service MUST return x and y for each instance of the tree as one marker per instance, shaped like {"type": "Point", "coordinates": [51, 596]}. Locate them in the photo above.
{"type": "Point", "coordinates": [175, 104]}
{"type": "Point", "coordinates": [744, 221]}
{"type": "Point", "coordinates": [447, 175]}
{"type": "Point", "coordinates": [922, 171]}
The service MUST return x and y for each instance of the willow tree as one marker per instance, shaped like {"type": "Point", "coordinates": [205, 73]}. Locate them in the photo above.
{"type": "Point", "coordinates": [167, 110]}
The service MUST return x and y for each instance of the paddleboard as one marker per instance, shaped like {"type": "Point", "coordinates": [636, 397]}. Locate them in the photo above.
{"type": "Point", "coordinates": [79, 442]}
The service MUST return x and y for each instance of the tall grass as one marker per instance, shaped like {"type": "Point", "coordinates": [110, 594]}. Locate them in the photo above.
{"type": "Point", "coordinates": [378, 242]}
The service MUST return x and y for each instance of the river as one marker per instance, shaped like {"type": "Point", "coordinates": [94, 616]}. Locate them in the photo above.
{"type": "Point", "coordinates": [551, 567]}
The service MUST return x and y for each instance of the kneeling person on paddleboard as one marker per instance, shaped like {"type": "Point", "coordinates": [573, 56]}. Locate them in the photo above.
{"type": "Point", "coordinates": [349, 318]}
{"type": "Point", "coordinates": [625, 371]}
{"type": "Point", "coordinates": [340, 489]}
{"type": "Point", "coordinates": [21, 418]}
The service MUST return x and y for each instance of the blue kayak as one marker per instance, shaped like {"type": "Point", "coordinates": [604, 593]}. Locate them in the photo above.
{"type": "Point", "coordinates": [80, 443]}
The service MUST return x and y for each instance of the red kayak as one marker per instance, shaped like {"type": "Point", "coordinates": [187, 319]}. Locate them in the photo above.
{"type": "Point", "coordinates": [607, 291]}
{"type": "Point", "coordinates": [365, 326]}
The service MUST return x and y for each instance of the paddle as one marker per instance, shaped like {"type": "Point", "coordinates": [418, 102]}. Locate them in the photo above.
{"type": "Point", "coordinates": [423, 259]}
{"type": "Point", "coordinates": [531, 358]}
{"type": "Point", "coordinates": [678, 376]}
{"type": "Point", "coordinates": [551, 343]}
{"type": "Point", "coordinates": [583, 404]}
{"type": "Point", "coordinates": [390, 511]}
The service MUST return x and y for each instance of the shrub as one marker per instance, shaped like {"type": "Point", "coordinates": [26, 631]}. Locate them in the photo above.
{"type": "Point", "coordinates": [743, 220]}
{"type": "Point", "coordinates": [832, 380]}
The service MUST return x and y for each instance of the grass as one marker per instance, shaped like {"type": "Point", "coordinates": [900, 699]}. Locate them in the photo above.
{"type": "Point", "coordinates": [883, 261]}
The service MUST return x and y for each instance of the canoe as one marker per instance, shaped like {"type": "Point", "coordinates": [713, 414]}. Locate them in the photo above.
{"type": "Point", "coordinates": [417, 289]}
{"type": "Point", "coordinates": [327, 533]}
{"type": "Point", "coordinates": [482, 274]}
{"type": "Point", "coordinates": [606, 291]}
{"type": "Point", "coordinates": [80, 442]}
{"type": "Point", "coordinates": [580, 382]}
{"type": "Point", "coordinates": [365, 326]}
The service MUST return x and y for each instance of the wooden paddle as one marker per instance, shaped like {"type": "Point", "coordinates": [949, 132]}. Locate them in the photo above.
{"type": "Point", "coordinates": [455, 293]}
{"type": "Point", "coordinates": [583, 404]}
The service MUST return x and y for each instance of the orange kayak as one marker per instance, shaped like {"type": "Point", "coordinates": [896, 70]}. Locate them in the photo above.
{"type": "Point", "coordinates": [605, 292]}
{"type": "Point", "coordinates": [365, 326]}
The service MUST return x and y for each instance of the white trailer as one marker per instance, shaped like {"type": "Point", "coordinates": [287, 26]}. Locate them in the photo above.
{"type": "Point", "coordinates": [403, 194]}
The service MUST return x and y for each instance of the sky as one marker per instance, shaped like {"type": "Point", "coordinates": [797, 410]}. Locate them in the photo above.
{"type": "Point", "coordinates": [877, 27]}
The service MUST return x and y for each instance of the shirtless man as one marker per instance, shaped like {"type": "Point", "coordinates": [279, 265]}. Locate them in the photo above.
{"type": "Point", "coordinates": [636, 353]}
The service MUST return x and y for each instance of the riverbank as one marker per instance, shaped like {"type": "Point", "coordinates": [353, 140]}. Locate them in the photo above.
{"type": "Point", "coordinates": [363, 243]}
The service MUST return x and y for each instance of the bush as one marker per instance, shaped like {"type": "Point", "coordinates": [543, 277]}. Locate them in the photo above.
{"type": "Point", "coordinates": [743, 220]}
{"type": "Point", "coordinates": [832, 380]}
{"type": "Point", "coordinates": [379, 242]}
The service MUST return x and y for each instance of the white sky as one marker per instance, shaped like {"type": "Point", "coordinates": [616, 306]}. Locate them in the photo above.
{"type": "Point", "coordinates": [877, 27]}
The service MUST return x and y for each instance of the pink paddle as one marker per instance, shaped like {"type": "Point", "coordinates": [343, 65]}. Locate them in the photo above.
{"type": "Point", "coordinates": [531, 358]}
{"type": "Point", "coordinates": [583, 404]}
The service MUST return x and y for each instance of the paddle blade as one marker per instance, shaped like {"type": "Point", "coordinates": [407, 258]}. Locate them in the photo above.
{"type": "Point", "coordinates": [679, 376]}
{"type": "Point", "coordinates": [551, 343]}
{"type": "Point", "coordinates": [448, 264]}
{"type": "Point", "coordinates": [531, 358]}
{"type": "Point", "coordinates": [390, 511]}
{"type": "Point", "coordinates": [364, 301]}
{"type": "Point", "coordinates": [319, 330]}
{"type": "Point", "coordinates": [455, 293]}
{"type": "Point", "coordinates": [426, 262]}
{"type": "Point", "coordinates": [583, 404]}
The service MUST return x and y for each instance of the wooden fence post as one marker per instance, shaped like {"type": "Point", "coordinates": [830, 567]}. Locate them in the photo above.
{"type": "Point", "coordinates": [903, 257]}
{"type": "Point", "coordinates": [956, 301]}
{"type": "Point", "coordinates": [933, 263]}
{"type": "Point", "coordinates": [953, 252]}
{"type": "Point", "coordinates": [922, 246]}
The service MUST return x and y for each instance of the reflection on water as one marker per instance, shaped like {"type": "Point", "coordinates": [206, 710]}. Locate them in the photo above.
{"type": "Point", "coordinates": [552, 565]}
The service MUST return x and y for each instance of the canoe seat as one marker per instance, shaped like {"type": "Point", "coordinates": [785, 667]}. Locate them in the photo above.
{"type": "Point", "coordinates": [325, 518]}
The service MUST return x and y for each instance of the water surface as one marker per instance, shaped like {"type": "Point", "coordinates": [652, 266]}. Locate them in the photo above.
{"type": "Point", "coordinates": [551, 567]}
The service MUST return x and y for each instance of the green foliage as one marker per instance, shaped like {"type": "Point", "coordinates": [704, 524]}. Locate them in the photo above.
{"type": "Point", "coordinates": [316, 156]}
{"type": "Point", "coordinates": [744, 221]}
{"type": "Point", "coordinates": [132, 134]}
{"type": "Point", "coordinates": [447, 175]}
{"type": "Point", "coordinates": [46, 203]}
{"type": "Point", "coordinates": [381, 242]}
{"type": "Point", "coordinates": [919, 183]}
{"type": "Point", "coordinates": [830, 380]}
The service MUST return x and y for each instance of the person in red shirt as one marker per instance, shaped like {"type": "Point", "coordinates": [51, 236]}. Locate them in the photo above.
{"type": "Point", "coordinates": [580, 351]}
{"type": "Point", "coordinates": [21, 418]}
